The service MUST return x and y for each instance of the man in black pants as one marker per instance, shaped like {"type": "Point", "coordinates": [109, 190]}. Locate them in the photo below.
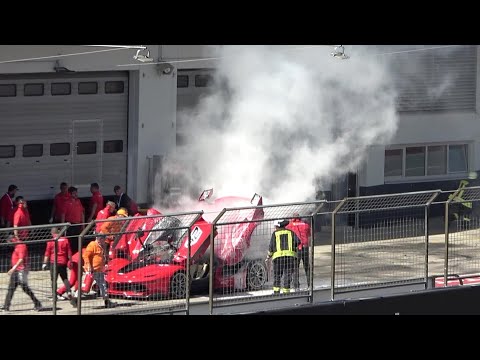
{"type": "Point", "coordinates": [283, 251]}
{"type": "Point", "coordinates": [19, 275]}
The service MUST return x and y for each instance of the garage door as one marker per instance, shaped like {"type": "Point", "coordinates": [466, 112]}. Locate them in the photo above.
{"type": "Point", "coordinates": [63, 127]}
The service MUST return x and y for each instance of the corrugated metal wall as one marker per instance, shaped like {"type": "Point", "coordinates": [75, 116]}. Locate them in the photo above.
{"type": "Point", "coordinates": [71, 118]}
{"type": "Point", "coordinates": [441, 79]}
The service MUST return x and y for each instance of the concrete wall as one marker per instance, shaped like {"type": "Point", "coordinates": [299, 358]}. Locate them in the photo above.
{"type": "Point", "coordinates": [156, 127]}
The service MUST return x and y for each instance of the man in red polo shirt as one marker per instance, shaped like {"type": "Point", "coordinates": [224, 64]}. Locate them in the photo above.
{"type": "Point", "coordinates": [59, 203]}
{"type": "Point", "coordinates": [19, 275]}
{"type": "Point", "coordinates": [302, 230]}
{"type": "Point", "coordinates": [96, 202]}
{"type": "Point", "coordinates": [21, 218]}
{"type": "Point", "coordinates": [7, 207]}
{"type": "Point", "coordinates": [75, 215]}
{"type": "Point", "coordinates": [64, 256]}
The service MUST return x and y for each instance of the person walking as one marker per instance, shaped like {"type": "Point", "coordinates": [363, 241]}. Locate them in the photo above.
{"type": "Point", "coordinates": [75, 215]}
{"type": "Point", "coordinates": [64, 256]}
{"type": "Point", "coordinates": [303, 232]}
{"type": "Point", "coordinates": [59, 202]}
{"type": "Point", "coordinates": [283, 252]}
{"type": "Point", "coordinates": [19, 275]}
{"type": "Point", "coordinates": [94, 259]}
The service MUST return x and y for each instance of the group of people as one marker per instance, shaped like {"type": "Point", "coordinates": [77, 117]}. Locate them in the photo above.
{"type": "Point", "coordinates": [67, 207]}
{"type": "Point", "coordinates": [289, 246]}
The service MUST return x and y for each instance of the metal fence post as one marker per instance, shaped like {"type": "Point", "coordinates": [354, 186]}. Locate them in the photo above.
{"type": "Point", "coordinates": [54, 277]}
{"type": "Point", "coordinates": [80, 267]}
{"type": "Point", "coordinates": [311, 257]}
{"type": "Point", "coordinates": [332, 255]}
{"type": "Point", "coordinates": [187, 285]}
{"type": "Point", "coordinates": [427, 233]}
{"type": "Point", "coordinates": [447, 234]}
{"type": "Point", "coordinates": [212, 264]}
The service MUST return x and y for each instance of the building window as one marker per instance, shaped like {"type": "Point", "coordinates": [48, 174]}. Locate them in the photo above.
{"type": "Point", "coordinates": [7, 151]}
{"type": "Point", "coordinates": [182, 81]}
{"type": "Point", "coordinates": [114, 87]}
{"type": "Point", "coordinates": [86, 148]}
{"type": "Point", "coordinates": [32, 150]}
{"type": "Point", "coordinates": [428, 160]}
{"type": "Point", "coordinates": [87, 88]}
{"type": "Point", "coordinates": [59, 149]}
{"type": "Point", "coordinates": [61, 89]}
{"type": "Point", "coordinates": [393, 162]}
{"type": "Point", "coordinates": [436, 160]}
{"type": "Point", "coordinates": [415, 161]}
{"type": "Point", "coordinates": [203, 80]}
{"type": "Point", "coordinates": [33, 90]}
{"type": "Point", "coordinates": [113, 146]}
{"type": "Point", "coordinates": [8, 90]}
{"type": "Point", "coordinates": [457, 158]}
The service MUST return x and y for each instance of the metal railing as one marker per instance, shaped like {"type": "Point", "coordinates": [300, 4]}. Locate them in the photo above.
{"type": "Point", "coordinates": [356, 244]}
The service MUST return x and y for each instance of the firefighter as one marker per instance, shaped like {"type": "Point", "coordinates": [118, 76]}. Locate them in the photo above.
{"type": "Point", "coordinates": [463, 209]}
{"type": "Point", "coordinates": [283, 252]}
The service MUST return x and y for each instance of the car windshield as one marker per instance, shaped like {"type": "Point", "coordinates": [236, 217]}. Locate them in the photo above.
{"type": "Point", "coordinates": [164, 232]}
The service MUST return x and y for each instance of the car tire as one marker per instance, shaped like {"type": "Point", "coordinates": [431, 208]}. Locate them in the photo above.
{"type": "Point", "coordinates": [256, 275]}
{"type": "Point", "coordinates": [178, 282]}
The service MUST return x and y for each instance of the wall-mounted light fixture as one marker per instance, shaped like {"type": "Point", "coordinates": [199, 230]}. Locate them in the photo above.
{"type": "Point", "coordinates": [339, 52]}
{"type": "Point", "coordinates": [143, 55]}
{"type": "Point", "coordinates": [164, 69]}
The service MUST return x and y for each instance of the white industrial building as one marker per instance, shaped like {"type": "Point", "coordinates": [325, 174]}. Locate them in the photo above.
{"type": "Point", "coordinates": [105, 117]}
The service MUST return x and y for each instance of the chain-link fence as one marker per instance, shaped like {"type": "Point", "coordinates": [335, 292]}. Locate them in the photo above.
{"type": "Point", "coordinates": [241, 273]}
{"type": "Point", "coordinates": [380, 240]}
{"type": "Point", "coordinates": [148, 263]}
{"type": "Point", "coordinates": [462, 235]}
{"type": "Point", "coordinates": [160, 263]}
{"type": "Point", "coordinates": [31, 257]}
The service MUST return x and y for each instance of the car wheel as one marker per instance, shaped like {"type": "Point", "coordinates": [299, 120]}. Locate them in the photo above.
{"type": "Point", "coordinates": [178, 284]}
{"type": "Point", "coordinates": [256, 275]}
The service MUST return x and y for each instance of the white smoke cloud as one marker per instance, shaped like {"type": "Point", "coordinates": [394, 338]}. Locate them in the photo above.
{"type": "Point", "coordinates": [289, 119]}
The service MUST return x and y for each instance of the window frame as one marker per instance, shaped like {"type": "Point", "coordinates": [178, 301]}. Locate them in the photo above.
{"type": "Point", "coordinates": [69, 149]}
{"type": "Point", "coordinates": [84, 142]}
{"type": "Point", "coordinates": [31, 156]}
{"type": "Point", "coordinates": [426, 177]}
{"type": "Point", "coordinates": [14, 151]}
{"type": "Point", "coordinates": [36, 84]}
{"type": "Point", "coordinates": [61, 83]}
{"type": "Point", "coordinates": [113, 141]}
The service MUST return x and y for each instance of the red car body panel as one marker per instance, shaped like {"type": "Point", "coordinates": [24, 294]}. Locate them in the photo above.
{"type": "Point", "coordinates": [144, 275]}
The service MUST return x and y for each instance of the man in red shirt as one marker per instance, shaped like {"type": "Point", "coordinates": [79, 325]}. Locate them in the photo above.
{"type": "Point", "coordinates": [64, 255]}
{"type": "Point", "coordinates": [302, 230]}
{"type": "Point", "coordinates": [96, 201]}
{"type": "Point", "coordinates": [104, 214]}
{"type": "Point", "coordinates": [21, 218]}
{"type": "Point", "coordinates": [59, 203]}
{"type": "Point", "coordinates": [75, 215]}
{"type": "Point", "coordinates": [7, 207]}
{"type": "Point", "coordinates": [19, 275]}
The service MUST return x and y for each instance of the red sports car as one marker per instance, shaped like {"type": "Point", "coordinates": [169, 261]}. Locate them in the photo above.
{"type": "Point", "coordinates": [150, 260]}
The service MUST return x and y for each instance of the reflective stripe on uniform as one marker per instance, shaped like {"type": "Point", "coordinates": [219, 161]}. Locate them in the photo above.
{"type": "Point", "coordinates": [280, 252]}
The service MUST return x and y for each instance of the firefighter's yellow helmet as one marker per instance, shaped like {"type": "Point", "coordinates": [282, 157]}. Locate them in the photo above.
{"type": "Point", "coordinates": [122, 212]}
